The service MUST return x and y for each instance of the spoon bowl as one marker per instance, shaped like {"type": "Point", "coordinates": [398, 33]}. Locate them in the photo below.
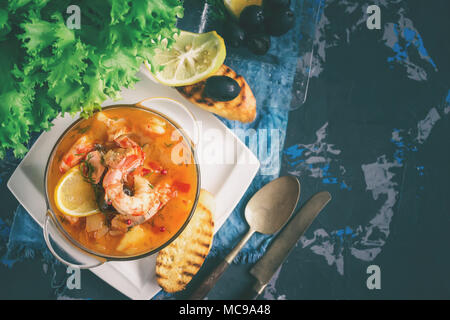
{"type": "Point", "coordinates": [270, 208]}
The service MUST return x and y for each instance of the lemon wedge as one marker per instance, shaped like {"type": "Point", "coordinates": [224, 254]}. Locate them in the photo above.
{"type": "Point", "coordinates": [235, 7]}
{"type": "Point", "coordinates": [74, 196]}
{"type": "Point", "coordinates": [192, 58]}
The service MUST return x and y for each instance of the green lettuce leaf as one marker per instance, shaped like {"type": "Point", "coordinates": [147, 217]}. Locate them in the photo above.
{"type": "Point", "coordinates": [47, 69]}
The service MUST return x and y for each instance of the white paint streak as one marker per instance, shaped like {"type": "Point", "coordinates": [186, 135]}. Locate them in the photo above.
{"type": "Point", "coordinates": [447, 109]}
{"type": "Point", "coordinates": [424, 126]}
{"type": "Point", "coordinates": [316, 155]}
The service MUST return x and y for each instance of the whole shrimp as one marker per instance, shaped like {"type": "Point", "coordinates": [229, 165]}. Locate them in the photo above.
{"type": "Point", "coordinates": [147, 199]}
{"type": "Point", "coordinates": [138, 204]}
{"type": "Point", "coordinates": [122, 222]}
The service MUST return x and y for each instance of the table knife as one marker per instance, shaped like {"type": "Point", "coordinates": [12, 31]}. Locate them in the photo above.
{"type": "Point", "coordinates": [280, 247]}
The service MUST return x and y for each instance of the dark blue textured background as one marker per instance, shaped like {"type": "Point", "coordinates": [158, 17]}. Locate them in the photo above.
{"type": "Point", "coordinates": [374, 131]}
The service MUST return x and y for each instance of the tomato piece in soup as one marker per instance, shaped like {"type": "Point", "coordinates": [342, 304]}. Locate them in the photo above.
{"type": "Point", "coordinates": [181, 186]}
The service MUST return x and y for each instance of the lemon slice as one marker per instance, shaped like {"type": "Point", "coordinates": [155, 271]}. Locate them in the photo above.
{"type": "Point", "coordinates": [236, 6]}
{"type": "Point", "coordinates": [192, 58]}
{"type": "Point", "coordinates": [74, 196]}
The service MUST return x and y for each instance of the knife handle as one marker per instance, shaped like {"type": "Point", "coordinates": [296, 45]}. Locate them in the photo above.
{"type": "Point", "coordinates": [202, 290]}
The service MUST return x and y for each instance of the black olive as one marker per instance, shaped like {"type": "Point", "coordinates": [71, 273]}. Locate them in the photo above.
{"type": "Point", "coordinates": [233, 34]}
{"type": "Point", "coordinates": [280, 22]}
{"type": "Point", "coordinates": [221, 88]}
{"type": "Point", "coordinates": [258, 43]}
{"type": "Point", "coordinates": [274, 5]}
{"type": "Point", "coordinates": [252, 19]}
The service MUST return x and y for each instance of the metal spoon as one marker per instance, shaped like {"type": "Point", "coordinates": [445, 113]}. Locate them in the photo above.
{"type": "Point", "coordinates": [266, 212]}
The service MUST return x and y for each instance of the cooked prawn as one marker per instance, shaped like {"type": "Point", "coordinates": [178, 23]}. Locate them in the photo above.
{"type": "Point", "coordinates": [154, 126]}
{"type": "Point", "coordinates": [76, 153]}
{"type": "Point", "coordinates": [143, 200]}
{"type": "Point", "coordinates": [127, 157]}
{"type": "Point", "coordinates": [147, 199]}
{"type": "Point", "coordinates": [122, 222]}
{"type": "Point", "coordinates": [114, 127]}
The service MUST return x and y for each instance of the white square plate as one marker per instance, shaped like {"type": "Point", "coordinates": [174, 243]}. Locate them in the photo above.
{"type": "Point", "coordinates": [227, 182]}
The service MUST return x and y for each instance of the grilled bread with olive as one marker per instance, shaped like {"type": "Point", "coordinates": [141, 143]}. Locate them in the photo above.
{"type": "Point", "coordinates": [177, 263]}
{"type": "Point", "coordinates": [225, 93]}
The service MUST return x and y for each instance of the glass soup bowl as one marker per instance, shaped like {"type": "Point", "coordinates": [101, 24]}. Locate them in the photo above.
{"type": "Point", "coordinates": [71, 251]}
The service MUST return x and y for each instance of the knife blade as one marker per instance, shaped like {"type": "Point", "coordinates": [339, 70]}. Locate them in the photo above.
{"type": "Point", "coordinates": [283, 243]}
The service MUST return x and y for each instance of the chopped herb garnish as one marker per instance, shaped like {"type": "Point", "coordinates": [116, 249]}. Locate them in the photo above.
{"type": "Point", "coordinates": [151, 186]}
{"type": "Point", "coordinates": [168, 145]}
{"type": "Point", "coordinates": [87, 169]}
{"type": "Point", "coordinates": [83, 130]}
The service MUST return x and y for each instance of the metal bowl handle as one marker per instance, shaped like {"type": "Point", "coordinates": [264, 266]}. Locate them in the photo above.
{"type": "Point", "coordinates": [50, 247]}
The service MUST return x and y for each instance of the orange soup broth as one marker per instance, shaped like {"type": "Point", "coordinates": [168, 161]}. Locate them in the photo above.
{"type": "Point", "coordinates": [159, 151]}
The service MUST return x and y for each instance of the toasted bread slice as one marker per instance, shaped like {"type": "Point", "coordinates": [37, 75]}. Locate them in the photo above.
{"type": "Point", "coordinates": [177, 263]}
{"type": "Point", "coordinates": [241, 108]}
